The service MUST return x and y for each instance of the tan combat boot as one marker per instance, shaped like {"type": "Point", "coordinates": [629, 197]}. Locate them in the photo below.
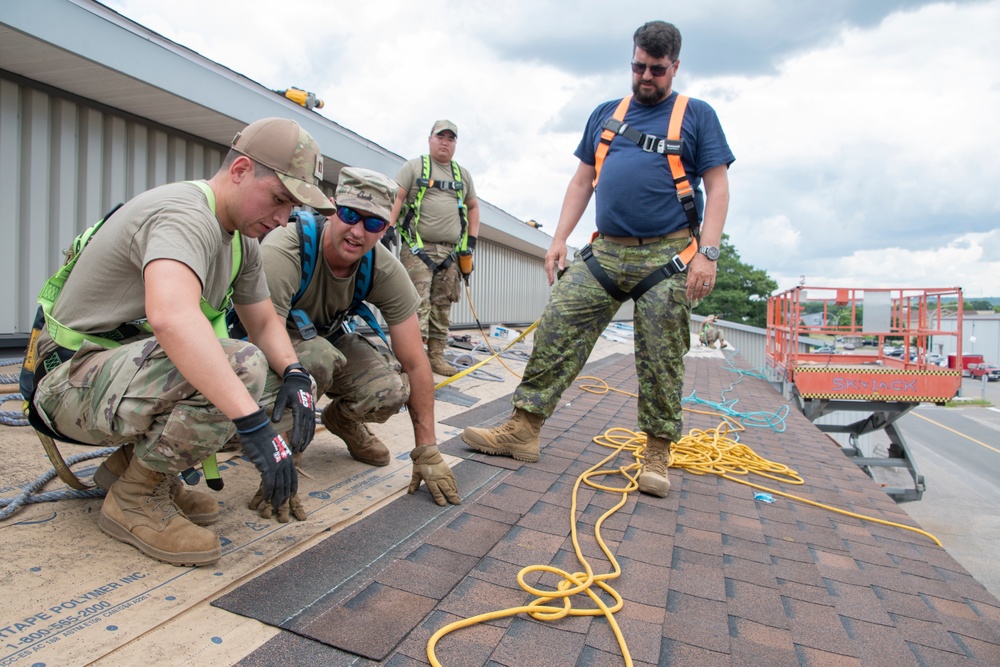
{"type": "Point", "coordinates": [435, 352]}
{"type": "Point", "coordinates": [138, 510]}
{"type": "Point", "coordinates": [653, 479]}
{"type": "Point", "coordinates": [361, 443]}
{"type": "Point", "coordinates": [200, 508]}
{"type": "Point", "coordinates": [517, 438]}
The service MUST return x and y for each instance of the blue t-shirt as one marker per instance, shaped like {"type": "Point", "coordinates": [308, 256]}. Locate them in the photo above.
{"type": "Point", "coordinates": [635, 194]}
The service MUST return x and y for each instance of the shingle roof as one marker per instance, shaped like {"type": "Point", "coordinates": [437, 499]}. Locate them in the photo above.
{"type": "Point", "coordinates": [710, 576]}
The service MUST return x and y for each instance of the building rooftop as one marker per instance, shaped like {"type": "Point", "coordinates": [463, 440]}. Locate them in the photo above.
{"type": "Point", "coordinates": [710, 575]}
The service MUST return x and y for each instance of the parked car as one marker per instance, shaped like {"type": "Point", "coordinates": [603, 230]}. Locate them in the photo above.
{"type": "Point", "coordinates": [825, 349]}
{"type": "Point", "coordinates": [989, 371]}
{"type": "Point", "coordinates": [848, 346]}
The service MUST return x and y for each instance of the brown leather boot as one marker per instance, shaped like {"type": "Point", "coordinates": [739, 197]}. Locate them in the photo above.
{"type": "Point", "coordinates": [138, 510]}
{"type": "Point", "coordinates": [435, 352]}
{"type": "Point", "coordinates": [656, 459]}
{"type": "Point", "coordinates": [517, 437]}
{"type": "Point", "coordinates": [361, 443]}
{"type": "Point", "coordinates": [200, 508]}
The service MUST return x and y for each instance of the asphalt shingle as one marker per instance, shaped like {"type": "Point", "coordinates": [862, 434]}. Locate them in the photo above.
{"type": "Point", "coordinates": [710, 576]}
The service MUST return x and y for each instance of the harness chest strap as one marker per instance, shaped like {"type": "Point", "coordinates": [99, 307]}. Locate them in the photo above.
{"type": "Point", "coordinates": [670, 148]}
{"type": "Point", "coordinates": [409, 227]}
{"type": "Point", "coordinates": [310, 229]}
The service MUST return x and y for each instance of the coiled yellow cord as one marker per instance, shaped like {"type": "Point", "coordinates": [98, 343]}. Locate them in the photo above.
{"type": "Point", "coordinates": [700, 452]}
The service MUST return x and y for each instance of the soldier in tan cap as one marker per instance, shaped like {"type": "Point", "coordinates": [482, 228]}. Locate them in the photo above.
{"type": "Point", "coordinates": [437, 214]}
{"type": "Point", "coordinates": [365, 382]}
{"type": "Point", "coordinates": [136, 352]}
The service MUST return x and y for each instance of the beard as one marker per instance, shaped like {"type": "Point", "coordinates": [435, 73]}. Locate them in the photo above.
{"type": "Point", "coordinates": [658, 94]}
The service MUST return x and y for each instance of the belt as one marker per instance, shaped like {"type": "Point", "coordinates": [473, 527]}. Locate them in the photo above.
{"type": "Point", "coordinates": [631, 240]}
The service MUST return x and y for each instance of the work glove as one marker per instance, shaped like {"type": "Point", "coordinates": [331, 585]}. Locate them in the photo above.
{"type": "Point", "coordinates": [428, 466]}
{"type": "Point", "coordinates": [268, 451]}
{"type": "Point", "coordinates": [291, 506]}
{"type": "Point", "coordinates": [296, 391]}
{"type": "Point", "coordinates": [391, 237]}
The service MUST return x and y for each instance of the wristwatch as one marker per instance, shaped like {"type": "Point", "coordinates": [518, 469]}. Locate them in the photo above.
{"type": "Point", "coordinates": [709, 251]}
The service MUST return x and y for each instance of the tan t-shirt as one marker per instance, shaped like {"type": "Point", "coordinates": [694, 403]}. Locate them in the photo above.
{"type": "Point", "coordinates": [439, 219]}
{"type": "Point", "coordinates": [172, 221]}
{"type": "Point", "coordinates": [327, 297]}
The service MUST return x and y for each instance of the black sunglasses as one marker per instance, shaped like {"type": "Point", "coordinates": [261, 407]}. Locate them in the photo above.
{"type": "Point", "coordinates": [655, 70]}
{"type": "Point", "coordinates": [351, 217]}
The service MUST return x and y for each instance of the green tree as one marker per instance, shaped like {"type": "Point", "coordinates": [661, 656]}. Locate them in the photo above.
{"type": "Point", "coordinates": [741, 291]}
{"type": "Point", "coordinates": [978, 304]}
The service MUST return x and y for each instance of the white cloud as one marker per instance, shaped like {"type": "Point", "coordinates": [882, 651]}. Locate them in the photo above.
{"type": "Point", "coordinates": [866, 159]}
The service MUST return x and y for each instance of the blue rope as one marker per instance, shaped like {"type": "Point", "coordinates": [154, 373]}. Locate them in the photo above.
{"type": "Point", "coordinates": [12, 417]}
{"type": "Point", "coordinates": [27, 496]}
{"type": "Point", "coordinates": [758, 419]}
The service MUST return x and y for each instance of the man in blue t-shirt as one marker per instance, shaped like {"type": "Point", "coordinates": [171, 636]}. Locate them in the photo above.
{"type": "Point", "coordinates": [642, 225]}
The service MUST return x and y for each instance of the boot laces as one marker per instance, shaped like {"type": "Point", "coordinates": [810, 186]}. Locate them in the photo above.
{"type": "Point", "coordinates": [657, 460]}
{"type": "Point", "coordinates": [162, 499]}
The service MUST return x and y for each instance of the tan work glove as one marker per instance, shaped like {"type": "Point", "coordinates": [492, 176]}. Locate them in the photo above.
{"type": "Point", "coordinates": [428, 466]}
{"type": "Point", "coordinates": [292, 507]}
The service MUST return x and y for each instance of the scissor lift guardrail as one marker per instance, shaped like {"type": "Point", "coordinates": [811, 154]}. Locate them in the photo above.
{"type": "Point", "coordinates": [866, 379]}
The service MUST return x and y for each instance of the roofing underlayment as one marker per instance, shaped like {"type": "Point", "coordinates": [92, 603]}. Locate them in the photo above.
{"type": "Point", "coordinates": [714, 574]}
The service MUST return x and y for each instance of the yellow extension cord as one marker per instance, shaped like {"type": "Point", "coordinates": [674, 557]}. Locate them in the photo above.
{"type": "Point", "coordinates": [699, 452]}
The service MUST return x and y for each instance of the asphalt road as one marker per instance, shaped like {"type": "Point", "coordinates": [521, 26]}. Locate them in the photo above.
{"type": "Point", "coordinates": [957, 450]}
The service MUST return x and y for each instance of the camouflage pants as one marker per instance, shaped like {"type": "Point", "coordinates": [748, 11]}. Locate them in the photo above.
{"type": "Point", "coordinates": [578, 312]}
{"type": "Point", "coordinates": [134, 393]}
{"type": "Point", "coordinates": [437, 290]}
{"type": "Point", "coordinates": [370, 382]}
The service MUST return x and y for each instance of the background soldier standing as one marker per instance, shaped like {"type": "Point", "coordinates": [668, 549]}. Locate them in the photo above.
{"type": "Point", "coordinates": [439, 223]}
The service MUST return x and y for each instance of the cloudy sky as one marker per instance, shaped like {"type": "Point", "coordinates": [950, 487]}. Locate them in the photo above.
{"type": "Point", "coordinates": [865, 153]}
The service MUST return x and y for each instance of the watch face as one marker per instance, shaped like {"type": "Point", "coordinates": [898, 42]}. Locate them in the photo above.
{"type": "Point", "coordinates": [709, 251]}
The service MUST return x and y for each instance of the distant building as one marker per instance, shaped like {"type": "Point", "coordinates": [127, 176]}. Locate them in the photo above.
{"type": "Point", "coordinates": [980, 335]}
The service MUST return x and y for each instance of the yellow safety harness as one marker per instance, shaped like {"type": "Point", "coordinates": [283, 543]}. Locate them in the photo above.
{"type": "Point", "coordinates": [69, 340]}
{"type": "Point", "coordinates": [410, 215]}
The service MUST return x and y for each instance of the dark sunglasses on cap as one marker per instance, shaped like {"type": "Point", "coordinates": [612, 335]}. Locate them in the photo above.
{"type": "Point", "coordinates": [655, 70]}
{"type": "Point", "coordinates": [351, 217]}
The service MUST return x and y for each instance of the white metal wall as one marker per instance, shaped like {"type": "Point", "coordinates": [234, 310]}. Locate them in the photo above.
{"type": "Point", "coordinates": [507, 287]}
{"type": "Point", "coordinates": [64, 164]}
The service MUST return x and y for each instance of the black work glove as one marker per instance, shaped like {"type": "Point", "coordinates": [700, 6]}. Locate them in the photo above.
{"type": "Point", "coordinates": [391, 237]}
{"type": "Point", "coordinates": [296, 391]}
{"type": "Point", "coordinates": [272, 457]}
{"type": "Point", "coordinates": [429, 467]}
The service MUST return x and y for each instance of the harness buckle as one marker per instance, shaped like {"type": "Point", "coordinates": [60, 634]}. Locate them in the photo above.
{"type": "Point", "coordinates": [678, 264]}
{"type": "Point", "coordinates": [649, 142]}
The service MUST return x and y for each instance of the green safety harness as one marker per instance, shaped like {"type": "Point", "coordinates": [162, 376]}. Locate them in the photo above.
{"type": "Point", "coordinates": [410, 215]}
{"type": "Point", "coordinates": [69, 340]}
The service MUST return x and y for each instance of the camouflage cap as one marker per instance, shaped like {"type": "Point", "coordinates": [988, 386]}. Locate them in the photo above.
{"type": "Point", "coordinates": [443, 125]}
{"type": "Point", "coordinates": [367, 191]}
{"type": "Point", "coordinates": [282, 145]}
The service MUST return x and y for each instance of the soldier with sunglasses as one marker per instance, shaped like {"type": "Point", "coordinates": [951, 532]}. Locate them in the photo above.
{"type": "Point", "coordinates": [365, 382]}
{"type": "Point", "coordinates": [644, 251]}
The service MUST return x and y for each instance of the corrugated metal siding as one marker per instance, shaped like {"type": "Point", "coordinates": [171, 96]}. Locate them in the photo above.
{"type": "Point", "coordinates": [62, 166]}
{"type": "Point", "coordinates": [507, 286]}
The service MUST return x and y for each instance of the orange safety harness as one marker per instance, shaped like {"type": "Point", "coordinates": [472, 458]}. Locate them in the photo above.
{"type": "Point", "coordinates": [670, 148]}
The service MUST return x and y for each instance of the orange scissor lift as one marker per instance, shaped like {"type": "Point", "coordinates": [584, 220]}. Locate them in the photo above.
{"type": "Point", "coordinates": [865, 379]}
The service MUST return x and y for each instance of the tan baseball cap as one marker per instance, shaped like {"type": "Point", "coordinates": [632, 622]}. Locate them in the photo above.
{"type": "Point", "coordinates": [366, 191]}
{"type": "Point", "coordinates": [282, 145]}
{"type": "Point", "coordinates": [443, 125]}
